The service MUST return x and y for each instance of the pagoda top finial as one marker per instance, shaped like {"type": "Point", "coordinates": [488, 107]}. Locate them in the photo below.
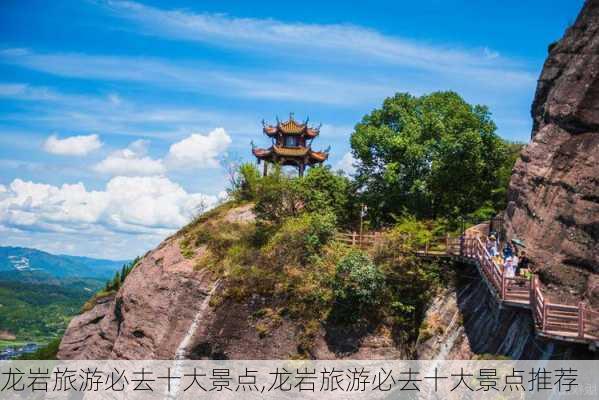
{"type": "Point", "coordinates": [291, 116]}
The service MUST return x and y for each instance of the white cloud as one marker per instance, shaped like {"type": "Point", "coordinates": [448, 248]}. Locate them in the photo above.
{"type": "Point", "coordinates": [279, 85]}
{"type": "Point", "coordinates": [347, 164]}
{"type": "Point", "coordinates": [490, 54]}
{"type": "Point", "coordinates": [128, 205]}
{"type": "Point", "coordinates": [113, 114]}
{"type": "Point", "coordinates": [132, 161]}
{"type": "Point", "coordinates": [73, 145]}
{"type": "Point", "coordinates": [199, 151]}
{"type": "Point", "coordinates": [22, 91]}
{"type": "Point", "coordinates": [339, 42]}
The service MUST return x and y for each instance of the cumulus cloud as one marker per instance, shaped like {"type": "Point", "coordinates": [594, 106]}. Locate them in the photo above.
{"type": "Point", "coordinates": [72, 145]}
{"type": "Point", "coordinates": [140, 205]}
{"type": "Point", "coordinates": [347, 164]}
{"type": "Point", "coordinates": [132, 161]}
{"type": "Point", "coordinates": [197, 150]}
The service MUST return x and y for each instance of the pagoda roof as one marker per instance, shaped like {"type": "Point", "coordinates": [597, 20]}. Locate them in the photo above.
{"type": "Point", "coordinates": [294, 152]}
{"type": "Point", "coordinates": [291, 127]}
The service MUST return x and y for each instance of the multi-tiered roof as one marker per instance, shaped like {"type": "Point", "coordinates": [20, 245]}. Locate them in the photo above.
{"type": "Point", "coordinates": [291, 145]}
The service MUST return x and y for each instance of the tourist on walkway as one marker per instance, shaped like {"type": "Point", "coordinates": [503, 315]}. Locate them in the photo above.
{"type": "Point", "coordinates": [492, 246]}
{"type": "Point", "coordinates": [508, 251]}
{"type": "Point", "coordinates": [524, 261]}
{"type": "Point", "coordinates": [509, 268]}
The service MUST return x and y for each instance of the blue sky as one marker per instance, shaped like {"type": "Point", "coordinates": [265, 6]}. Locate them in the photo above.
{"type": "Point", "coordinates": [114, 115]}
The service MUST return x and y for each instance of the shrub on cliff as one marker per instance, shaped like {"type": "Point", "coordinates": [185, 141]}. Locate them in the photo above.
{"type": "Point", "coordinates": [278, 196]}
{"type": "Point", "coordinates": [244, 182]}
{"type": "Point", "coordinates": [358, 286]}
{"type": "Point", "coordinates": [300, 238]}
{"type": "Point", "coordinates": [322, 190]}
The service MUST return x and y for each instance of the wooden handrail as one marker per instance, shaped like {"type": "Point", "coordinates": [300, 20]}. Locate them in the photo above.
{"type": "Point", "coordinates": [581, 319]}
{"type": "Point", "coordinates": [553, 319]}
{"type": "Point", "coordinates": [561, 318]}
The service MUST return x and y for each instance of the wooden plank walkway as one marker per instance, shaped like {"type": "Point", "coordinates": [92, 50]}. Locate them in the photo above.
{"type": "Point", "coordinates": [571, 323]}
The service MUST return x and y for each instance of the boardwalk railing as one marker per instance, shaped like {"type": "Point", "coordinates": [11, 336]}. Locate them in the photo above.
{"type": "Point", "coordinates": [355, 239]}
{"type": "Point", "coordinates": [438, 247]}
{"type": "Point", "coordinates": [561, 321]}
{"type": "Point", "coordinates": [577, 323]}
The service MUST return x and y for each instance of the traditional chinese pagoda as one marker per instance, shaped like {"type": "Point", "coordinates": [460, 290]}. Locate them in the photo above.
{"type": "Point", "coordinates": [291, 145]}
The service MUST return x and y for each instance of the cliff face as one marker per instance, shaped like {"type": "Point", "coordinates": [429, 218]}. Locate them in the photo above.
{"type": "Point", "coordinates": [172, 307]}
{"type": "Point", "coordinates": [554, 191]}
{"type": "Point", "coordinates": [169, 307]}
{"type": "Point", "coordinates": [149, 316]}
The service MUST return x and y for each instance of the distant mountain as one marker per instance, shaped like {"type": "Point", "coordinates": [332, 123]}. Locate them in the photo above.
{"type": "Point", "coordinates": [22, 262]}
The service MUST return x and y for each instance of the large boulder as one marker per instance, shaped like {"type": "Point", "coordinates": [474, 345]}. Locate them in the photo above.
{"type": "Point", "coordinates": [554, 191]}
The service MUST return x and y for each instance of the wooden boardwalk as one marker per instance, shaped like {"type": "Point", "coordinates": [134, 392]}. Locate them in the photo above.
{"type": "Point", "coordinates": [571, 323]}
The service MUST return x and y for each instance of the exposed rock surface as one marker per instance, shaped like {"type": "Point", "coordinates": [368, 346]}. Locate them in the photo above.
{"type": "Point", "coordinates": [554, 191]}
{"type": "Point", "coordinates": [168, 309]}
{"type": "Point", "coordinates": [149, 317]}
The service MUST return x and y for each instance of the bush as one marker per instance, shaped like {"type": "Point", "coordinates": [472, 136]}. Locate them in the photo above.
{"type": "Point", "coordinates": [277, 197]}
{"type": "Point", "coordinates": [120, 276]}
{"type": "Point", "coordinates": [358, 285]}
{"type": "Point", "coordinates": [245, 182]}
{"type": "Point", "coordinates": [300, 238]}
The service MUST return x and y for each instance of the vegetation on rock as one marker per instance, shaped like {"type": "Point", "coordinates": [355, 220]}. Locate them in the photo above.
{"type": "Point", "coordinates": [431, 156]}
{"type": "Point", "coordinates": [289, 259]}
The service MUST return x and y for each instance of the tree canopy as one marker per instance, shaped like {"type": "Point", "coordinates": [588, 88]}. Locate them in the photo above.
{"type": "Point", "coordinates": [430, 156]}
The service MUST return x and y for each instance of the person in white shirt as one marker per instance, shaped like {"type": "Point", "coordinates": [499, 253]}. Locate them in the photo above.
{"type": "Point", "coordinates": [509, 268]}
{"type": "Point", "coordinates": [492, 246]}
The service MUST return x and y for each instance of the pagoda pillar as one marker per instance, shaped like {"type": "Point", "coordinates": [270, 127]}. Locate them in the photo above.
{"type": "Point", "coordinates": [301, 169]}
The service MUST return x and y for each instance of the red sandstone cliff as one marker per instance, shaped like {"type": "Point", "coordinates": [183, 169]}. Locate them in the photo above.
{"type": "Point", "coordinates": [554, 191]}
{"type": "Point", "coordinates": [163, 311]}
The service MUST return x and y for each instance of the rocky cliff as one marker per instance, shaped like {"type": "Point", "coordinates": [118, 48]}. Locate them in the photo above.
{"type": "Point", "coordinates": [171, 307]}
{"type": "Point", "coordinates": [554, 191]}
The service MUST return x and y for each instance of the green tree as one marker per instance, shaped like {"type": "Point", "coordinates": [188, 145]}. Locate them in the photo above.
{"type": "Point", "coordinates": [244, 182]}
{"type": "Point", "coordinates": [434, 155]}
{"type": "Point", "coordinates": [358, 286]}
{"type": "Point", "coordinates": [324, 190]}
{"type": "Point", "coordinates": [277, 197]}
